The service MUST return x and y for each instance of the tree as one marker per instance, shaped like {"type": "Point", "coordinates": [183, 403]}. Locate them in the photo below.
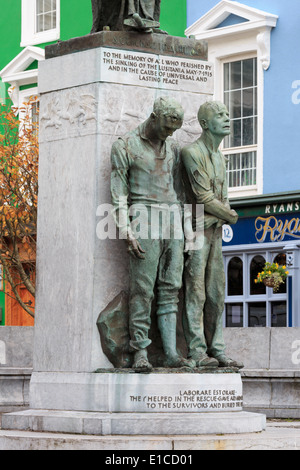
{"type": "Point", "coordinates": [18, 198]}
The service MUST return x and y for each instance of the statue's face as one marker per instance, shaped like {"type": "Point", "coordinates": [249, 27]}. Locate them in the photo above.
{"type": "Point", "coordinates": [218, 122]}
{"type": "Point", "coordinates": [166, 125]}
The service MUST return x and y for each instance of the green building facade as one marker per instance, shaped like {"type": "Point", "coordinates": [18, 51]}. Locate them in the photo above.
{"type": "Point", "coordinates": [27, 26]}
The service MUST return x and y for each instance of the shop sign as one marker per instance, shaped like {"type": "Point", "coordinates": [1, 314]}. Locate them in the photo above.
{"type": "Point", "coordinates": [265, 229]}
{"type": "Point", "coordinates": [276, 229]}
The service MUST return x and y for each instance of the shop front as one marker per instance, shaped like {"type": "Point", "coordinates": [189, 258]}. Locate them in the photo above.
{"type": "Point", "coordinates": [268, 230]}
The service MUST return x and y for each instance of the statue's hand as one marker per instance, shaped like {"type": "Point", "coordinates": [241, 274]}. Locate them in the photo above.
{"type": "Point", "coordinates": [189, 246]}
{"type": "Point", "coordinates": [134, 248]}
{"type": "Point", "coordinates": [233, 217]}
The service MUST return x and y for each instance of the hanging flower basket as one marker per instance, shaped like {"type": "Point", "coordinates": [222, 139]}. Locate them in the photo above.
{"type": "Point", "coordinates": [272, 276]}
{"type": "Point", "coordinates": [269, 282]}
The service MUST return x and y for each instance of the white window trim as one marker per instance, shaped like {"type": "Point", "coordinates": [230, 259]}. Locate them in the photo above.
{"type": "Point", "coordinates": [243, 191]}
{"type": "Point", "coordinates": [269, 252]}
{"type": "Point", "coordinates": [24, 96]}
{"type": "Point", "coordinates": [16, 75]}
{"type": "Point", "coordinates": [29, 36]}
{"type": "Point", "coordinates": [237, 42]}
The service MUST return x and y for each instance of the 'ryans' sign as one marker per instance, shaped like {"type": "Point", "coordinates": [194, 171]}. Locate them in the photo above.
{"type": "Point", "coordinates": [265, 229]}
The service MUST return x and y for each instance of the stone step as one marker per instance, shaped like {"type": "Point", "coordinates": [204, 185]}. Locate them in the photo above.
{"type": "Point", "coordinates": [133, 424]}
{"type": "Point", "coordinates": [277, 436]}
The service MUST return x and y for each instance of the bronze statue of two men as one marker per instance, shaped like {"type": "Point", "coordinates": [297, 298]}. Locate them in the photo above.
{"type": "Point", "coordinates": [150, 170]}
{"type": "Point", "coordinates": [116, 15]}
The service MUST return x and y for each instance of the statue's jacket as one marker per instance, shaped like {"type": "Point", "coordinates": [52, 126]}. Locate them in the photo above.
{"type": "Point", "coordinates": [142, 177]}
{"type": "Point", "coordinates": [205, 181]}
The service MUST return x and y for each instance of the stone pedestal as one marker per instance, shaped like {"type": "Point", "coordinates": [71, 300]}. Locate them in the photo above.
{"type": "Point", "coordinates": [87, 100]}
{"type": "Point", "coordinates": [93, 90]}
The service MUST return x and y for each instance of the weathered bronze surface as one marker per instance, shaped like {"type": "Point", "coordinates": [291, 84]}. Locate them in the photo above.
{"type": "Point", "coordinates": [206, 184]}
{"type": "Point", "coordinates": [112, 14]}
{"type": "Point", "coordinates": [146, 173]}
{"type": "Point", "coordinates": [113, 327]}
{"type": "Point", "coordinates": [182, 370]}
{"type": "Point", "coordinates": [133, 41]}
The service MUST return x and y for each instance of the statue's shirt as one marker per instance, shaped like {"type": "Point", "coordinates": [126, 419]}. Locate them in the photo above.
{"type": "Point", "coordinates": [139, 173]}
{"type": "Point", "coordinates": [142, 176]}
{"type": "Point", "coordinates": [205, 180]}
{"type": "Point", "coordinates": [206, 173]}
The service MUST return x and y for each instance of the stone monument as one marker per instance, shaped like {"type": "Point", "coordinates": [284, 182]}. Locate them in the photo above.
{"type": "Point", "coordinates": [93, 90]}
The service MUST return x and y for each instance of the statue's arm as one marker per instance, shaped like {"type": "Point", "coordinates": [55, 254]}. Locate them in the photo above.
{"type": "Point", "coordinates": [200, 183]}
{"type": "Point", "coordinates": [119, 186]}
{"type": "Point", "coordinates": [120, 196]}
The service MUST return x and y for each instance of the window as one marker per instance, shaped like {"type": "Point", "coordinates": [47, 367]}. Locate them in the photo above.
{"type": "Point", "coordinates": [250, 304]}
{"type": "Point", "coordinates": [256, 266]}
{"type": "Point", "coordinates": [235, 276]}
{"type": "Point", "coordinates": [40, 21]}
{"type": "Point", "coordinates": [45, 15]}
{"type": "Point", "coordinates": [240, 97]}
{"type": "Point", "coordinates": [239, 45]}
{"type": "Point", "coordinates": [25, 96]}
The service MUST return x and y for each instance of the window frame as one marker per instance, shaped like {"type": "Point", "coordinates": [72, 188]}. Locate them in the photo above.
{"type": "Point", "coordinates": [243, 149]}
{"type": "Point", "coordinates": [252, 36]}
{"type": "Point", "coordinates": [251, 190]}
{"type": "Point", "coordinates": [269, 253]}
{"type": "Point", "coordinates": [24, 96]}
{"type": "Point", "coordinates": [29, 36]}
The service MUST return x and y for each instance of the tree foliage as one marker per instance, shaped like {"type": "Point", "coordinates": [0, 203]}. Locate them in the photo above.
{"type": "Point", "coordinates": [18, 198]}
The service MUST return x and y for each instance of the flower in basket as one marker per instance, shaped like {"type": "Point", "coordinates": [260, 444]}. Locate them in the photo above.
{"type": "Point", "coordinates": [272, 275]}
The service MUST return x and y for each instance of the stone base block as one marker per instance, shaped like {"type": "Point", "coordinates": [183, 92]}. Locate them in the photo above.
{"type": "Point", "coordinates": [129, 392]}
{"type": "Point", "coordinates": [134, 424]}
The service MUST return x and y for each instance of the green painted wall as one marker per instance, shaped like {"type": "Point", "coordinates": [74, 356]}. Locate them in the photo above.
{"type": "Point", "coordinates": [10, 31]}
{"type": "Point", "coordinates": [75, 20]}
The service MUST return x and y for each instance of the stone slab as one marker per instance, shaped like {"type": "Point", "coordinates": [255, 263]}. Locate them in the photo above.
{"type": "Point", "coordinates": [284, 437]}
{"type": "Point", "coordinates": [16, 346]}
{"type": "Point", "coordinates": [143, 69]}
{"type": "Point", "coordinates": [132, 392]}
{"type": "Point", "coordinates": [134, 423]}
{"type": "Point", "coordinates": [156, 71]}
{"type": "Point", "coordinates": [285, 348]}
{"type": "Point", "coordinates": [14, 387]}
{"type": "Point", "coordinates": [133, 41]}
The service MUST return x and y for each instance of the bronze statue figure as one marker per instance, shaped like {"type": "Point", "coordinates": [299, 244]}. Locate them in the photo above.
{"type": "Point", "coordinates": [146, 172]}
{"type": "Point", "coordinates": [204, 275]}
{"type": "Point", "coordinates": [118, 15]}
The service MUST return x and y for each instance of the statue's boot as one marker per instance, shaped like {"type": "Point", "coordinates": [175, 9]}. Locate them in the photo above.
{"type": "Point", "coordinates": [141, 363]}
{"type": "Point", "coordinates": [203, 360]}
{"type": "Point", "coordinates": [167, 328]}
{"type": "Point", "coordinates": [225, 361]}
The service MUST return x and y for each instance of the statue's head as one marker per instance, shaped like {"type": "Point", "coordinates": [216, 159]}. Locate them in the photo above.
{"type": "Point", "coordinates": [167, 117]}
{"type": "Point", "coordinates": [213, 117]}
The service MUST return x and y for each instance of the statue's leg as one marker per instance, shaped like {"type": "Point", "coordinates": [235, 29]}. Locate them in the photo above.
{"type": "Point", "coordinates": [215, 295]}
{"type": "Point", "coordinates": [147, 9]}
{"type": "Point", "coordinates": [157, 10]}
{"type": "Point", "coordinates": [214, 306]}
{"type": "Point", "coordinates": [169, 282]}
{"type": "Point", "coordinates": [143, 274]}
{"type": "Point", "coordinates": [96, 6]}
{"type": "Point", "coordinates": [195, 298]}
{"type": "Point", "coordinates": [131, 8]}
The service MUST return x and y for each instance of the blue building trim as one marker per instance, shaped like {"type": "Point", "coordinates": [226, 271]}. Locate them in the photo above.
{"type": "Point", "coordinates": [290, 301]}
{"type": "Point", "coordinates": [281, 108]}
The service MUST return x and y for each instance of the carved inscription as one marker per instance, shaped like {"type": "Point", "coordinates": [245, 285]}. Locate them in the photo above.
{"type": "Point", "coordinates": [144, 69]}
{"type": "Point", "coordinates": [191, 400]}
